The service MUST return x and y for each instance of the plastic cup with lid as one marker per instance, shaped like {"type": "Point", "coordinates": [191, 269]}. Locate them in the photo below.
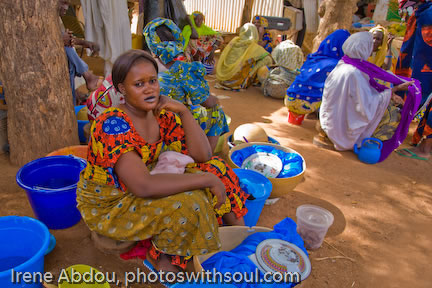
{"type": "Point", "coordinates": [312, 224]}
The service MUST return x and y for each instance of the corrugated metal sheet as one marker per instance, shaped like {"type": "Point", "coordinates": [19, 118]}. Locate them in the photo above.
{"type": "Point", "coordinates": [225, 15]}
{"type": "Point", "coordinates": [268, 8]}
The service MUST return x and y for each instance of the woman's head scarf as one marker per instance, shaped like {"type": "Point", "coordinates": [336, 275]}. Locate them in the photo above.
{"type": "Point", "coordinates": [379, 57]}
{"type": "Point", "coordinates": [359, 45]}
{"type": "Point", "coordinates": [203, 30]}
{"type": "Point", "coordinates": [263, 21]}
{"type": "Point", "coordinates": [165, 50]}
{"type": "Point", "coordinates": [331, 46]}
{"type": "Point", "coordinates": [238, 51]}
{"type": "Point", "coordinates": [309, 84]}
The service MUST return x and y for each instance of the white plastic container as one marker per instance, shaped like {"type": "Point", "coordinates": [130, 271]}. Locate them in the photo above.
{"type": "Point", "coordinates": [312, 224]}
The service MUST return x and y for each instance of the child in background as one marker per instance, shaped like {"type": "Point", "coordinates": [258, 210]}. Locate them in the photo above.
{"type": "Point", "coordinates": [104, 97]}
{"type": "Point", "coordinates": [119, 198]}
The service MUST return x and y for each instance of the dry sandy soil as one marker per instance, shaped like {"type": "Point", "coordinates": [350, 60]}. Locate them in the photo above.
{"type": "Point", "coordinates": [381, 235]}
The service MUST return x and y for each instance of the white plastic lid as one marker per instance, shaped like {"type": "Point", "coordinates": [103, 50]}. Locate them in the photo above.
{"type": "Point", "coordinates": [315, 216]}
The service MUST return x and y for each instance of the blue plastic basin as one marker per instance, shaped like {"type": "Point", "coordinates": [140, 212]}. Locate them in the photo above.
{"type": "Point", "coordinates": [50, 184]}
{"type": "Point", "coordinates": [24, 241]}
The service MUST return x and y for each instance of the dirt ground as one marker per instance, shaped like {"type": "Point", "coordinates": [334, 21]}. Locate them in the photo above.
{"type": "Point", "coordinates": [381, 235]}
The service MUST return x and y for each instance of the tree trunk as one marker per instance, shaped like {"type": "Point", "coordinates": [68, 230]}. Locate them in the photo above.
{"type": "Point", "coordinates": [247, 12]}
{"type": "Point", "coordinates": [335, 14]}
{"type": "Point", "coordinates": [34, 72]}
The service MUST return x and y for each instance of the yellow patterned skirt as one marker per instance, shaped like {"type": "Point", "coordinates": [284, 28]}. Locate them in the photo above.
{"type": "Point", "coordinates": [182, 224]}
{"type": "Point", "coordinates": [388, 124]}
{"type": "Point", "coordinates": [246, 76]}
{"type": "Point", "coordinates": [300, 106]}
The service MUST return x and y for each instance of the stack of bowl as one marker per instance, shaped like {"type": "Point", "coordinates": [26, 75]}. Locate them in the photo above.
{"type": "Point", "coordinates": [281, 186]}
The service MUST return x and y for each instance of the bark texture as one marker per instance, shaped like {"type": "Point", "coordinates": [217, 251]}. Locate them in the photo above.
{"type": "Point", "coordinates": [34, 72]}
{"type": "Point", "coordinates": [335, 14]}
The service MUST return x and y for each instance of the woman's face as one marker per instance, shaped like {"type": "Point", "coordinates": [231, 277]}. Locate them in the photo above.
{"type": "Point", "coordinates": [141, 87]}
{"type": "Point", "coordinates": [199, 19]}
{"type": "Point", "coordinates": [377, 40]}
{"type": "Point", "coordinates": [256, 22]}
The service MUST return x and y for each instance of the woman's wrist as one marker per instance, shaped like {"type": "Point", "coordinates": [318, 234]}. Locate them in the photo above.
{"type": "Point", "coordinates": [183, 111]}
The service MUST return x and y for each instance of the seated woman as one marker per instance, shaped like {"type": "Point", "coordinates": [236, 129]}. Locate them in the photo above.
{"type": "Point", "coordinates": [264, 37]}
{"type": "Point", "coordinates": [381, 54]}
{"type": "Point", "coordinates": [203, 48]}
{"type": "Point", "coordinates": [276, 79]}
{"type": "Point", "coordinates": [354, 106]}
{"type": "Point", "coordinates": [185, 81]}
{"type": "Point", "coordinates": [240, 60]}
{"type": "Point", "coordinates": [305, 93]}
{"type": "Point", "coordinates": [119, 198]}
{"type": "Point", "coordinates": [288, 55]}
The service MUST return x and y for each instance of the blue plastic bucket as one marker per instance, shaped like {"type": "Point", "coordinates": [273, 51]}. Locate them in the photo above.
{"type": "Point", "coordinates": [50, 183]}
{"type": "Point", "coordinates": [259, 187]}
{"type": "Point", "coordinates": [81, 124]}
{"type": "Point", "coordinates": [24, 241]}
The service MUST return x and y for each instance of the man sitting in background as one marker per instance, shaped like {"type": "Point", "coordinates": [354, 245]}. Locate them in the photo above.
{"type": "Point", "coordinates": [77, 67]}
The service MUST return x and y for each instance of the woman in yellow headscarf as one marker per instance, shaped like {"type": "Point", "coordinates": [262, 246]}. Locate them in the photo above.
{"type": "Point", "coordinates": [381, 55]}
{"type": "Point", "coordinates": [240, 60]}
{"type": "Point", "coordinates": [201, 49]}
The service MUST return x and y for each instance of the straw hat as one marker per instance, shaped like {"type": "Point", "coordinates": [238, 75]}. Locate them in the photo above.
{"type": "Point", "coordinates": [250, 133]}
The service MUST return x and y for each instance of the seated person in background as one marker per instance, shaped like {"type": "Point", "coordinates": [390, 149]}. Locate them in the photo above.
{"type": "Point", "coordinates": [264, 37]}
{"type": "Point", "coordinates": [288, 55]}
{"type": "Point", "coordinates": [352, 107]}
{"type": "Point", "coordinates": [203, 48]}
{"type": "Point", "coordinates": [119, 198]}
{"type": "Point", "coordinates": [104, 97]}
{"type": "Point", "coordinates": [277, 78]}
{"type": "Point", "coordinates": [381, 53]}
{"type": "Point", "coordinates": [239, 62]}
{"type": "Point", "coordinates": [305, 93]}
{"type": "Point", "coordinates": [184, 81]}
{"type": "Point", "coordinates": [77, 66]}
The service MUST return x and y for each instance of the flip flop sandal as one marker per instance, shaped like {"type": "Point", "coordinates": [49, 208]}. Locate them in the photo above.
{"type": "Point", "coordinates": [411, 155]}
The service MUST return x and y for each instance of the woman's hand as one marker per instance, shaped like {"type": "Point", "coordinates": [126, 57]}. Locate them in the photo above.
{"type": "Point", "coordinates": [390, 40]}
{"type": "Point", "coordinates": [217, 188]}
{"type": "Point", "coordinates": [210, 102]}
{"type": "Point", "coordinates": [171, 105]}
{"type": "Point", "coordinates": [397, 99]}
{"type": "Point", "coordinates": [402, 87]}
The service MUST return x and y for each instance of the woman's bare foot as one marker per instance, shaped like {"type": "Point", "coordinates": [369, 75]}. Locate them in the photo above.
{"type": "Point", "coordinates": [312, 116]}
{"type": "Point", "coordinates": [163, 263]}
{"type": "Point", "coordinates": [92, 81]}
{"type": "Point", "coordinates": [421, 151]}
{"type": "Point", "coordinates": [231, 220]}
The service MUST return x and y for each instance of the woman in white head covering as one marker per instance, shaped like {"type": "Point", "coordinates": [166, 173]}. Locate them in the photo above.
{"type": "Point", "coordinates": [351, 108]}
